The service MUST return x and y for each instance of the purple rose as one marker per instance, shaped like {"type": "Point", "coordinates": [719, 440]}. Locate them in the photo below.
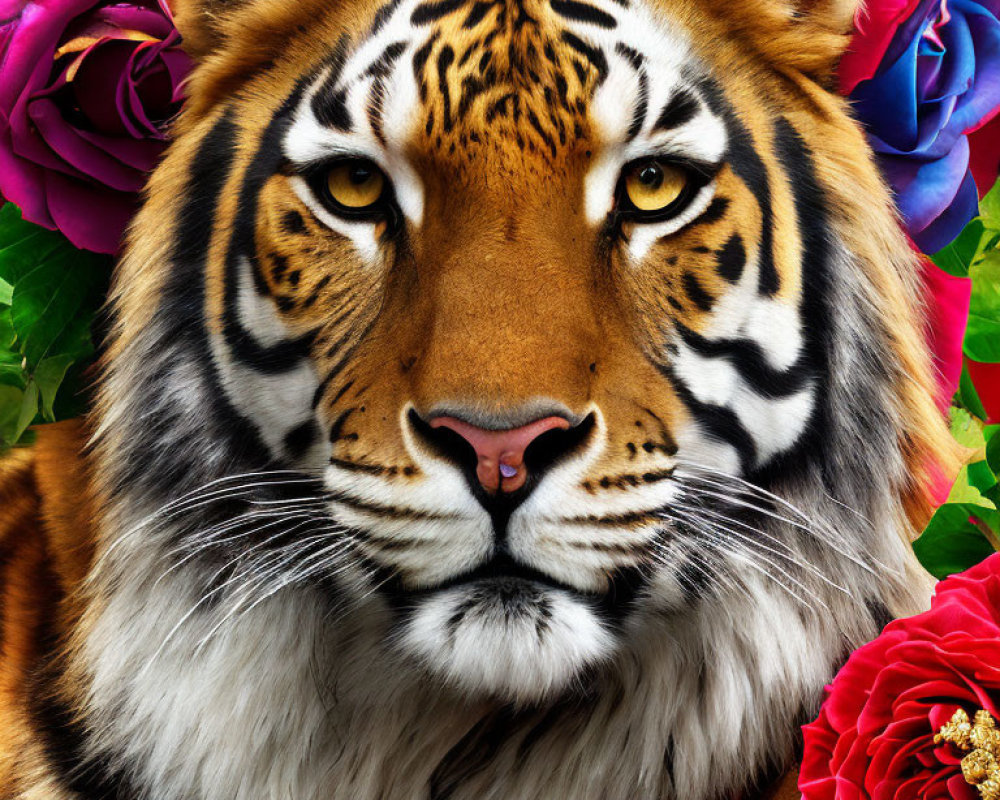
{"type": "Point", "coordinates": [85, 93]}
{"type": "Point", "coordinates": [938, 80]}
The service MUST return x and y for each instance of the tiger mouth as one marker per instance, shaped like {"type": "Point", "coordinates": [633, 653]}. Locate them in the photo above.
{"type": "Point", "coordinates": [506, 574]}
{"type": "Point", "coordinates": [502, 568]}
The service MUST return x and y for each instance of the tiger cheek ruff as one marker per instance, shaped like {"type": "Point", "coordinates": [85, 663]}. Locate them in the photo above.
{"type": "Point", "coordinates": [490, 410]}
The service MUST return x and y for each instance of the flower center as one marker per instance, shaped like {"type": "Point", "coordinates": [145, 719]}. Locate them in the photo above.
{"type": "Point", "coordinates": [980, 738]}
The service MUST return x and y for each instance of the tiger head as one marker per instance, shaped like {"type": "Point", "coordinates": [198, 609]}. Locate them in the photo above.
{"type": "Point", "coordinates": [526, 339]}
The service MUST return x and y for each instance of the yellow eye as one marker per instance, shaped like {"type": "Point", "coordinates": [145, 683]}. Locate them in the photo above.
{"type": "Point", "coordinates": [654, 185]}
{"type": "Point", "coordinates": [355, 184]}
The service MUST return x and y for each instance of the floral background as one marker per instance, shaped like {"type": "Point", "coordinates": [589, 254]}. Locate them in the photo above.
{"type": "Point", "coordinates": [88, 89]}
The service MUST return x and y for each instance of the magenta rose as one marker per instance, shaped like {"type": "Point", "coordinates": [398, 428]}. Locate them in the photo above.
{"type": "Point", "coordinates": [86, 90]}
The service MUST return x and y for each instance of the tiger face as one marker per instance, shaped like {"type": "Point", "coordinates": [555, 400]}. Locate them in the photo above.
{"type": "Point", "coordinates": [508, 276]}
{"type": "Point", "coordinates": [544, 346]}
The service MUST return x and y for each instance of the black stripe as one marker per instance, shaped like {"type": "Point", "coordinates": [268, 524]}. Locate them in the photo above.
{"type": "Point", "coordinates": [747, 357]}
{"type": "Point", "coordinates": [696, 292]}
{"type": "Point", "coordinates": [592, 54]}
{"type": "Point", "coordinates": [641, 107]}
{"type": "Point", "coordinates": [344, 361]}
{"type": "Point", "coordinates": [545, 136]}
{"type": "Point", "coordinates": [879, 611]}
{"type": "Point", "coordinates": [430, 12]}
{"type": "Point", "coordinates": [330, 104]}
{"type": "Point", "coordinates": [300, 438]}
{"type": "Point", "coordinates": [583, 12]}
{"type": "Point", "coordinates": [208, 172]}
{"type": "Point", "coordinates": [382, 16]}
{"type": "Point", "coordinates": [717, 423]}
{"type": "Point", "coordinates": [634, 57]}
{"type": "Point", "coordinates": [421, 55]}
{"type": "Point", "coordinates": [292, 223]}
{"type": "Point", "coordinates": [731, 258]}
{"type": "Point", "coordinates": [476, 14]}
{"type": "Point", "coordinates": [284, 356]}
{"type": "Point", "coordinates": [383, 64]}
{"type": "Point", "coordinates": [180, 324]}
{"type": "Point", "coordinates": [680, 110]}
{"type": "Point", "coordinates": [376, 102]}
{"type": "Point", "coordinates": [812, 218]}
{"type": "Point", "coordinates": [715, 211]}
{"type": "Point", "coordinates": [444, 60]}
{"type": "Point", "coordinates": [337, 428]}
{"type": "Point", "coordinates": [746, 163]}
{"type": "Point", "coordinates": [62, 731]}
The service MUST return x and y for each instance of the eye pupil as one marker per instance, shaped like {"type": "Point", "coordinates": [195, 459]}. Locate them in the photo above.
{"type": "Point", "coordinates": [360, 173]}
{"type": "Point", "coordinates": [651, 176]}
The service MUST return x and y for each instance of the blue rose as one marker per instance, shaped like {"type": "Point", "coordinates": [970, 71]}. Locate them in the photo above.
{"type": "Point", "coordinates": [938, 80]}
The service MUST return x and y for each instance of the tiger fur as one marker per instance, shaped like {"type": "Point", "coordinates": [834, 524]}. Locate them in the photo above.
{"type": "Point", "coordinates": [256, 571]}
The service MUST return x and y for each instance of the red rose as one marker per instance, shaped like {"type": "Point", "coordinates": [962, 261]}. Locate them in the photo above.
{"type": "Point", "coordinates": [875, 735]}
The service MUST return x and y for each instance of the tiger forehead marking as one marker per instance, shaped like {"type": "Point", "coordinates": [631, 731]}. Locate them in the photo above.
{"type": "Point", "coordinates": [528, 79]}
{"type": "Point", "coordinates": [485, 67]}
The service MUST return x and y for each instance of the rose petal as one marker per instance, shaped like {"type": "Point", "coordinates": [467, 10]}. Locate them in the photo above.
{"type": "Point", "coordinates": [81, 153]}
{"type": "Point", "coordinates": [90, 219]}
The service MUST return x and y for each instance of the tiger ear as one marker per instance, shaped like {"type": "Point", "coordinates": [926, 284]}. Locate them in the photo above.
{"type": "Point", "coordinates": [835, 16]}
{"type": "Point", "coordinates": [200, 23]}
{"type": "Point", "coordinates": [805, 35]}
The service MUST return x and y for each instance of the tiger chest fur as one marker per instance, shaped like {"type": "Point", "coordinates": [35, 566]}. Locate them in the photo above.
{"type": "Point", "coordinates": [490, 410]}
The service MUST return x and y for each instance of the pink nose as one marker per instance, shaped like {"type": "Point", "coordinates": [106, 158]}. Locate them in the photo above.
{"type": "Point", "coordinates": [500, 454]}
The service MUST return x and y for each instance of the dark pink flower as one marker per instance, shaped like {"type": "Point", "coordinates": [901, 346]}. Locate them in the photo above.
{"type": "Point", "coordinates": [85, 93]}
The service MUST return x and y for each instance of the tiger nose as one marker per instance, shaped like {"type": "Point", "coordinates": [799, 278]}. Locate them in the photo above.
{"type": "Point", "coordinates": [500, 454]}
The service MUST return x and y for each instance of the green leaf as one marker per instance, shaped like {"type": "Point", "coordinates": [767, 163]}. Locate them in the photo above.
{"type": "Point", "coordinates": [956, 258]}
{"type": "Point", "coordinates": [49, 293]}
{"type": "Point", "coordinates": [11, 372]}
{"type": "Point", "coordinates": [982, 335]}
{"type": "Point", "coordinates": [11, 398]}
{"type": "Point", "coordinates": [951, 543]}
{"type": "Point", "coordinates": [7, 335]}
{"type": "Point", "coordinates": [45, 302]}
{"type": "Point", "coordinates": [965, 428]}
{"type": "Point", "coordinates": [993, 449]}
{"type": "Point", "coordinates": [18, 410]}
{"type": "Point", "coordinates": [75, 339]}
{"type": "Point", "coordinates": [967, 394]}
{"type": "Point", "coordinates": [981, 476]}
{"type": "Point", "coordinates": [989, 207]}
{"type": "Point", "coordinates": [49, 375]}
{"type": "Point", "coordinates": [982, 339]}
{"type": "Point", "coordinates": [966, 491]}
{"type": "Point", "coordinates": [34, 247]}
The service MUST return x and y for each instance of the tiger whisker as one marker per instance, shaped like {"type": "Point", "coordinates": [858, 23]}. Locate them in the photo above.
{"type": "Point", "coordinates": [830, 535]}
{"type": "Point", "coordinates": [726, 547]}
{"type": "Point", "coordinates": [207, 545]}
{"type": "Point", "coordinates": [260, 582]}
{"type": "Point", "coordinates": [788, 554]}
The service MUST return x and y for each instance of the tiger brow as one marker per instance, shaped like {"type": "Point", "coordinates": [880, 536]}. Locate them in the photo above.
{"type": "Point", "coordinates": [679, 110]}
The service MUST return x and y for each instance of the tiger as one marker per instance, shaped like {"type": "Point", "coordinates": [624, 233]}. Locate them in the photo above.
{"type": "Point", "coordinates": [519, 399]}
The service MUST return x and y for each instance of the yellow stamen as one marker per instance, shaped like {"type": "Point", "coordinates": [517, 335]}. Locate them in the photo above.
{"type": "Point", "coordinates": [980, 738]}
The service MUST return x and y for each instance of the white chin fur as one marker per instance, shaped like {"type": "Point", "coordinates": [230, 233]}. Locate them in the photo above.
{"type": "Point", "coordinates": [506, 638]}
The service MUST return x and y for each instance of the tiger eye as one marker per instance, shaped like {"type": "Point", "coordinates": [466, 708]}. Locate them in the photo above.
{"type": "Point", "coordinates": [654, 185]}
{"type": "Point", "coordinates": [355, 184]}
